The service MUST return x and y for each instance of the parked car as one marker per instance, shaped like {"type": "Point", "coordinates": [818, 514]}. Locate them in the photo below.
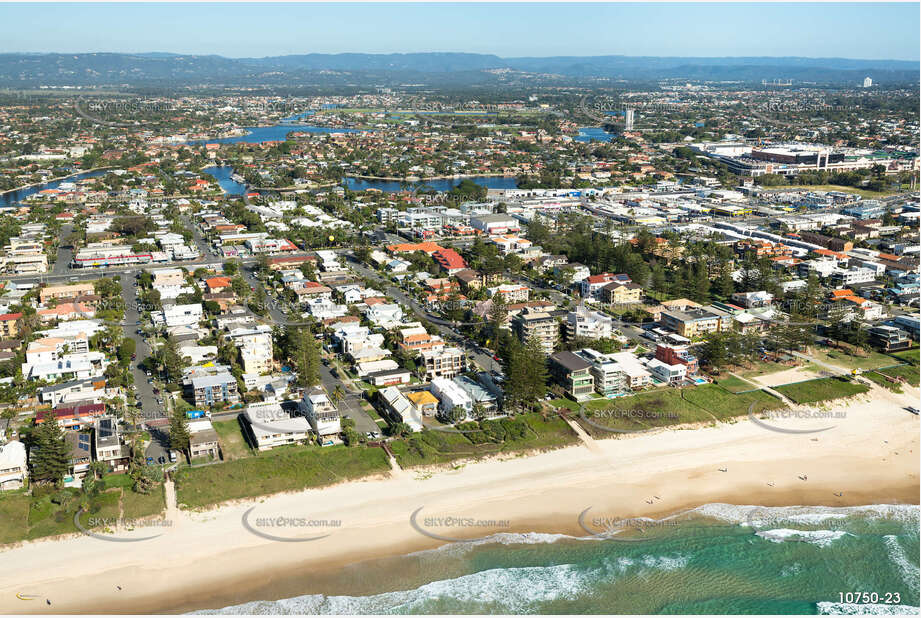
{"type": "Point", "coordinates": [150, 461]}
{"type": "Point", "coordinates": [172, 456]}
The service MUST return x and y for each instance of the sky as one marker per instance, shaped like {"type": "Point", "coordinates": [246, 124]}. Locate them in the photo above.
{"type": "Point", "coordinates": [840, 30]}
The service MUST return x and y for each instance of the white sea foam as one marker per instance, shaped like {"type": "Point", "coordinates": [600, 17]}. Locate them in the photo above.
{"type": "Point", "coordinates": [502, 538]}
{"type": "Point", "coordinates": [745, 514]}
{"type": "Point", "coordinates": [792, 570]}
{"type": "Point", "coordinates": [510, 591]}
{"type": "Point", "coordinates": [909, 572]}
{"type": "Point", "coordinates": [854, 609]}
{"type": "Point", "coordinates": [822, 538]}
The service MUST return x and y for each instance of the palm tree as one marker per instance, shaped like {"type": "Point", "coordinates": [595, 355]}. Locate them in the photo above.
{"type": "Point", "coordinates": [338, 394]}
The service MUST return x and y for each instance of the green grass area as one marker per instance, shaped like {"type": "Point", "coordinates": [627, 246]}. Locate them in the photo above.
{"type": "Point", "coordinates": [491, 437]}
{"type": "Point", "coordinates": [664, 407]}
{"type": "Point", "coordinates": [763, 368]}
{"type": "Point", "coordinates": [907, 372]}
{"type": "Point", "coordinates": [908, 356]}
{"type": "Point", "coordinates": [50, 512]}
{"type": "Point", "coordinates": [283, 469]}
{"type": "Point", "coordinates": [14, 516]}
{"type": "Point", "coordinates": [841, 358]}
{"type": "Point", "coordinates": [865, 193]}
{"type": "Point", "coordinates": [735, 385]}
{"type": "Point", "coordinates": [821, 389]}
{"type": "Point", "coordinates": [233, 444]}
{"type": "Point", "coordinates": [139, 506]}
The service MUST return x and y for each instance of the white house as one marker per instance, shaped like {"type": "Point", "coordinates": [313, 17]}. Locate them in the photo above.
{"type": "Point", "coordinates": [13, 465]}
{"type": "Point", "coordinates": [451, 396]}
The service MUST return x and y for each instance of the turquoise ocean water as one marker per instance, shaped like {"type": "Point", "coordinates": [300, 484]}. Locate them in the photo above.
{"type": "Point", "coordinates": [717, 559]}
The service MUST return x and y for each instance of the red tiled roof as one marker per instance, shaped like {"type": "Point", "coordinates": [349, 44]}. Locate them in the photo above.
{"type": "Point", "coordinates": [449, 259]}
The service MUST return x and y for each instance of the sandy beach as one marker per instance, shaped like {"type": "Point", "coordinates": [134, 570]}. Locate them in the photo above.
{"type": "Point", "coordinates": [211, 560]}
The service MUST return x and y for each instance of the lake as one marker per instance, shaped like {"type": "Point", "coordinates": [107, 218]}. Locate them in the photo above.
{"type": "Point", "coordinates": [275, 133]}
{"type": "Point", "coordinates": [587, 134]}
{"type": "Point", "coordinates": [223, 173]}
{"type": "Point", "coordinates": [10, 198]}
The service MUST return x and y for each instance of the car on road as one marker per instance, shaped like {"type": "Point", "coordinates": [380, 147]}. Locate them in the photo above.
{"type": "Point", "coordinates": [496, 358]}
{"type": "Point", "coordinates": [148, 373]}
{"type": "Point", "coordinates": [172, 456]}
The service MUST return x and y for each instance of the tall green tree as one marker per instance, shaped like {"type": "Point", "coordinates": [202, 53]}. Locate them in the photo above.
{"type": "Point", "coordinates": [179, 431]}
{"type": "Point", "coordinates": [50, 457]}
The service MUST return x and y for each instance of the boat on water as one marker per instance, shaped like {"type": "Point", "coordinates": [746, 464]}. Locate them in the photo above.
{"type": "Point", "coordinates": [238, 178]}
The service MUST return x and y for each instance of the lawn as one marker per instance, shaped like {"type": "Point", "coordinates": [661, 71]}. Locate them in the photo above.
{"type": "Point", "coordinates": [14, 516]}
{"type": "Point", "coordinates": [233, 444]}
{"type": "Point", "coordinates": [821, 389]}
{"type": "Point", "coordinates": [840, 358]}
{"type": "Point", "coordinates": [909, 356]}
{"type": "Point", "coordinates": [763, 368]}
{"type": "Point", "coordinates": [664, 407]}
{"type": "Point", "coordinates": [865, 193]}
{"type": "Point", "coordinates": [490, 437]}
{"type": "Point", "coordinates": [735, 385]}
{"type": "Point", "coordinates": [908, 372]}
{"type": "Point", "coordinates": [283, 469]}
{"type": "Point", "coordinates": [138, 506]}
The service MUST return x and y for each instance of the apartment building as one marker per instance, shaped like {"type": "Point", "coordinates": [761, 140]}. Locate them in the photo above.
{"type": "Point", "coordinates": [511, 292]}
{"type": "Point", "coordinates": [320, 411]}
{"type": "Point", "coordinates": [9, 325]}
{"type": "Point", "coordinates": [442, 362]}
{"type": "Point", "coordinates": [583, 322]}
{"type": "Point", "coordinates": [255, 345]}
{"type": "Point", "coordinates": [621, 293]}
{"type": "Point", "coordinates": [573, 373]}
{"type": "Point", "coordinates": [539, 325]}
{"type": "Point", "coordinates": [619, 372]}
{"type": "Point", "coordinates": [696, 321]}
{"type": "Point", "coordinates": [220, 387]}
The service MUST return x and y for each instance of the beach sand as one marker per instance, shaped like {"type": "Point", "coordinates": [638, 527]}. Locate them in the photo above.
{"type": "Point", "coordinates": [210, 560]}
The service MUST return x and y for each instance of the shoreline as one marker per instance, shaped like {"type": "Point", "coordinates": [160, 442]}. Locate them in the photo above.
{"type": "Point", "coordinates": [46, 182]}
{"type": "Point", "coordinates": [871, 457]}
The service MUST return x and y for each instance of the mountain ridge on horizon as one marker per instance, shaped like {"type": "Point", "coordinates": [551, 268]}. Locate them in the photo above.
{"type": "Point", "coordinates": [435, 68]}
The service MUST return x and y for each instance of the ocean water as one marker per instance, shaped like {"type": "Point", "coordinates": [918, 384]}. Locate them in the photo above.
{"type": "Point", "coordinates": [716, 559]}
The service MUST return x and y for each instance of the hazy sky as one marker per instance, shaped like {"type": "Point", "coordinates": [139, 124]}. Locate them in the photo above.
{"type": "Point", "coordinates": [847, 30]}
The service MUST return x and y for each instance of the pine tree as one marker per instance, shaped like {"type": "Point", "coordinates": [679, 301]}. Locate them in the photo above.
{"type": "Point", "coordinates": [179, 431]}
{"type": "Point", "coordinates": [50, 458]}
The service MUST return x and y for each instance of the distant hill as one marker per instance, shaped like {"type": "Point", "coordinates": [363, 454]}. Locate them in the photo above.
{"type": "Point", "coordinates": [159, 68]}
